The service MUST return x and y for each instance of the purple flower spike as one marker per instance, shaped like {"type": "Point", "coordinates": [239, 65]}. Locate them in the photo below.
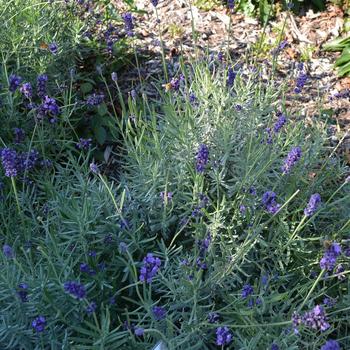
{"type": "Point", "coordinates": [8, 251]}
{"type": "Point", "coordinates": [94, 168]}
{"type": "Point", "coordinates": [223, 336]}
{"type": "Point", "coordinates": [19, 135]}
{"type": "Point", "coordinates": [247, 290]}
{"type": "Point", "coordinates": [330, 256]}
{"type": "Point", "coordinates": [91, 308]}
{"type": "Point", "coordinates": [202, 157]}
{"type": "Point", "coordinates": [231, 4]}
{"type": "Point", "coordinates": [316, 319]}
{"type": "Point", "coordinates": [213, 317]}
{"type": "Point", "coordinates": [53, 47]}
{"type": "Point", "coordinates": [159, 312]}
{"type": "Point", "coordinates": [314, 203]}
{"type": "Point", "coordinates": [84, 144]}
{"type": "Point", "coordinates": [75, 289]}
{"type": "Point", "coordinates": [128, 23]}
{"type": "Point", "coordinates": [166, 197]}
{"type": "Point", "coordinates": [41, 82]}
{"type": "Point", "coordinates": [49, 107]}
{"type": "Point", "coordinates": [231, 76]}
{"type": "Point", "coordinates": [281, 121]}
{"type": "Point", "coordinates": [9, 162]}
{"type": "Point", "coordinates": [23, 292]}
{"type": "Point", "coordinates": [26, 90]}
{"type": "Point", "coordinates": [301, 81]}
{"type": "Point", "coordinates": [331, 345]}
{"type": "Point", "coordinates": [139, 332]}
{"type": "Point", "coordinates": [14, 82]}
{"type": "Point", "coordinates": [269, 202]}
{"type": "Point", "coordinates": [39, 324]}
{"type": "Point", "coordinates": [149, 268]}
{"type": "Point", "coordinates": [94, 99]}
{"type": "Point", "coordinates": [293, 156]}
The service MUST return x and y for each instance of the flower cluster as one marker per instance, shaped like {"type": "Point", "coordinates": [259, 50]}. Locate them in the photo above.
{"type": "Point", "coordinates": [26, 90]}
{"type": "Point", "coordinates": [110, 38]}
{"type": "Point", "coordinates": [223, 336]}
{"type": "Point", "coordinates": [315, 319]}
{"type": "Point", "coordinates": [231, 76]}
{"type": "Point", "coordinates": [175, 83]}
{"type": "Point", "coordinates": [84, 144]}
{"type": "Point", "coordinates": [8, 251]}
{"type": "Point", "coordinates": [231, 4]}
{"type": "Point", "coordinates": [49, 107]}
{"type": "Point", "coordinates": [192, 98]}
{"type": "Point", "coordinates": [341, 94]}
{"type": "Point", "coordinates": [91, 308]}
{"type": "Point", "coordinates": [41, 82]}
{"type": "Point", "coordinates": [330, 256]}
{"type": "Point", "coordinates": [293, 156]}
{"type": "Point", "coordinates": [53, 47]}
{"type": "Point", "coordinates": [204, 244]}
{"type": "Point", "coordinates": [15, 163]}
{"type": "Point", "coordinates": [301, 81]}
{"type": "Point", "coordinates": [14, 82]}
{"type": "Point", "coordinates": [282, 45]}
{"type": "Point", "coordinates": [269, 202]}
{"type": "Point", "coordinates": [202, 157]}
{"type": "Point", "coordinates": [268, 139]}
{"type": "Point", "coordinates": [203, 202]}
{"type": "Point", "coordinates": [150, 268]}
{"type": "Point", "coordinates": [247, 290]}
{"type": "Point", "coordinates": [39, 324]}
{"type": "Point", "coordinates": [330, 302]}
{"type": "Point", "coordinates": [19, 135]}
{"type": "Point", "coordinates": [166, 197]}
{"type": "Point", "coordinates": [94, 168]}
{"type": "Point", "coordinates": [314, 203]}
{"type": "Point", "coordinates": [159, 312]}
{"type": "Point", "coordinates": [75, 289]}
{"type": "Point", "coordinates": [128, 23]}
{"type": "Point", "coordinates": [139, 331]}
{"type": "Point", "coordinates": [87, 269]}
{"type": "Point", "coordinates": [23, 292]}
{"type": "Point", "coordinates": [94, 99]}
{"type": "Point", "coordinates": [281, 121]}
{"type": "Point", "coordinates": [213, 317]}
{"type": "Point", "coordinates": [9, 162]}
{"type": "Point", "coordinates": [331, 345]}
{"type": "Point", "coordinates": [201, 264]}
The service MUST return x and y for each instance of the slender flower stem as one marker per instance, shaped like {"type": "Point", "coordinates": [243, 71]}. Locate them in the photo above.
{"type": "Point", "coordinates": [137, 62]}
{"type": "Point", "coordinates": [162, 47]}
{"type": "Point", "coordinates": [229, 37]}
{"type": "Point", "coordinates": [276, 324]}
{"type": "Point", "coordinates": [16, 194]}
{"type": "Point", "coordinates": [194, 34]}
{"type": "Point", "coordinates": [301, 223]}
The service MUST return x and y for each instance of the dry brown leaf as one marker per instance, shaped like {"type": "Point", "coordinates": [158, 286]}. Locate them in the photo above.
{"type": "Point", "coordinates": [291, 52]}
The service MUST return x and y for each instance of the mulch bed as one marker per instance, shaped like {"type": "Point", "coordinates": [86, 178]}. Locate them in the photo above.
{"type": "Point", "coordinates": [305, 35]}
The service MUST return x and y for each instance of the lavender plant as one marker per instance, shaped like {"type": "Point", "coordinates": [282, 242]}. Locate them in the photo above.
{"type": "Point", "coordinates": [225, 224]}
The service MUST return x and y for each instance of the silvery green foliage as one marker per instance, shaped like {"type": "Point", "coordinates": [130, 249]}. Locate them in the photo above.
{"type": "Point", "coordinates": [211, 238]}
